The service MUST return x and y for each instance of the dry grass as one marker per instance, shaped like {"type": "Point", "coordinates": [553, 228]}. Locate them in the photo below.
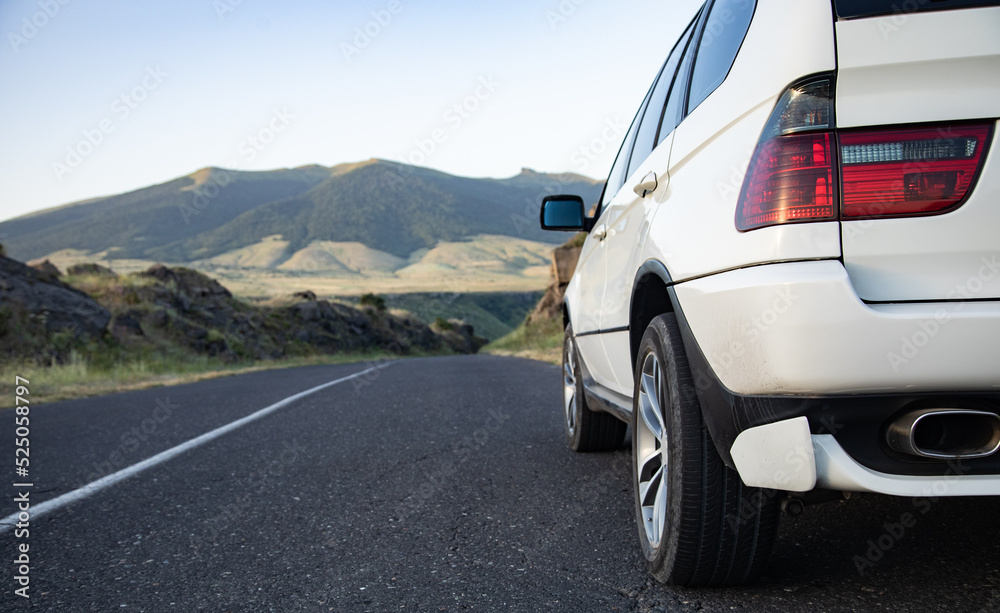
{"type": "Point", "coordinates": [482, 264]}
{"type": "Point", "coordinates": [77, 379]}
{"type": "Point", "coordinates": [541, 340]}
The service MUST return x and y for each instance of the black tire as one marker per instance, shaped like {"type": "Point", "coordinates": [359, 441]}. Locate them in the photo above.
{"type": "Point", "coordinates": [713, 530]}
{"type": "Point", "coordinates": [586, 430]}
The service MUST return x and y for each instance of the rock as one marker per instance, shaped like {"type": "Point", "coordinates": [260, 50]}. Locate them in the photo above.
{"type": "Point", "coordinates": [160, 273]}
{"type": "Point", "coordinates": [217, 347]}
{"type": "Point", "coordinates": [564, 261]}
{"type": "Point", "coordinates": [550, 306]}
{"type": "Point", "coordinates": [159, 318]}
{"type": "Point", "coordinates": [197, 334]}
{"type": "Point", "coordinates": [195, 312]}
{"type": "Point", "coordinates": [46, 268]}
{"type": "Point", "coordinates": [462, 338]}
{"type": "Point", "coordinates": [189, 283]}
{"type": "Point", "coordinates": [308, 311]}
{"type": "Point", "coordinates": [94, 270]}
{"type": "Point", "coordinates": [61, 307]}
{"type": "Point", "coordinates": [127, 324]}
{"type": "Point", "coordinates": [351, 317]}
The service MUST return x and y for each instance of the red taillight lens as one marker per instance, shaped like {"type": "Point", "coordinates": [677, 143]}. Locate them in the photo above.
{"type": "Point", "coordinates": [790, 179]}
{"type": "Point", "coordinates": [802, 161]}
{"type": "Point", "coordinates": [888, 173]}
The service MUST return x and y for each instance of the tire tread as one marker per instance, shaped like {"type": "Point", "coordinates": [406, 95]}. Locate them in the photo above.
{"type": "Point", "coordinates": [596, 431]}
{"type": "Point", "coordinates": [726, 530]}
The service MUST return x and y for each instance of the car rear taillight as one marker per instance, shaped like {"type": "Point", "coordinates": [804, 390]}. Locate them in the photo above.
{"type": "Point", "coordinates": [889, 173]}
{"type": "Point", "coordinates": [791, 179]}
{"type": "Point", "coordinates": [792, 175]}
{"type": "Point", "coordinates": [801, 163]}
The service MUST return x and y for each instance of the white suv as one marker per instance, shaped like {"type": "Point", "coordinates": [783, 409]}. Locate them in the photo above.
{"type": "Point", "coordinates": [791, 286]}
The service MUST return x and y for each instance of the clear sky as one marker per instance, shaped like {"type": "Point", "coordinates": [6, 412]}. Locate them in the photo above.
{"type": "Point", "coordinates": [104, 97]}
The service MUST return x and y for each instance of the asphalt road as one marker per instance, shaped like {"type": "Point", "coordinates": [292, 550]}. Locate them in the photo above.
{"type": "Point", "coordinates": [436, 484]}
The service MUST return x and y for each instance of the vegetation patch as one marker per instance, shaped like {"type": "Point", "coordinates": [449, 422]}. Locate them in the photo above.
{"type": "Point", "coordinates": [540, 339]}
{"type": "Point", "coordinates": [95, 331]}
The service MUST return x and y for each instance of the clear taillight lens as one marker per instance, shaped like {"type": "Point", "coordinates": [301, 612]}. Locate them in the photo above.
{"type": "Point", "coordinates": [889, 173]}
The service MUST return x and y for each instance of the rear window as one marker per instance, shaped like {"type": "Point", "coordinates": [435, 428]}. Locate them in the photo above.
{"type": "Point", "coordinates": [847, 9]}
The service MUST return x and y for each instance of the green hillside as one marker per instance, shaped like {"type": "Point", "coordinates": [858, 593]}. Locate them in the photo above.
{"type": "Point", "coordinates": [138, 222]}
{"type": "Point", "coordinates": [493, 314]}
{"type": "Point", "coordinates": [389, 207]}
{"type": "Point", "coordinates": [385, 206]}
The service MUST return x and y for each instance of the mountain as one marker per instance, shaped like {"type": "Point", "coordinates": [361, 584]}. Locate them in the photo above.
{"type": "Point", "coordinates": [134, 223]}
{"type": "Point", "coordinates": [381, 213]}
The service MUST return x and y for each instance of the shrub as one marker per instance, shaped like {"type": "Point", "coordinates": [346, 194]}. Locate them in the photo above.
{"type": "Point", "coordinates": [373, 300]}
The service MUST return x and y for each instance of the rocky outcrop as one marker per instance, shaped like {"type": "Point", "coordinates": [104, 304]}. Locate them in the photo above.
{"type": "Point", "coordinates": [461, 337]}
{"type": "Point", "coordinates": [188, 282]}
{"type": "Point", "coordinates": [564, 261]}
{"type": "Point", "coordinates": [57, 305]}
{"type": "Point", "coordinates": [91, 270]}
{"type": "Point", "coordinates": [34, 307]}
{"type": "Point", "coordinates": [182, 307]}
{"type": "Point", "coordinates": [47, 268]}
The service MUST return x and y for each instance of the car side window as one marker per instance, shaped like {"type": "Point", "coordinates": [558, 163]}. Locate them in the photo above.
{"type": "Point", "coordinates": [721, 39]}
{"type": "Point", "coordinates": [617, 176]}
{"type": "Point", "coordinates": [646, 134]}
{"type": "Point", "coordinates": [678, 92]}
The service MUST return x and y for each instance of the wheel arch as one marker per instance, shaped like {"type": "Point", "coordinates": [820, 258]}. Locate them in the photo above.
{"type": "Point", "coordinates": [650, 298]}
{"type": "Point", "coordinates": [652, 295]}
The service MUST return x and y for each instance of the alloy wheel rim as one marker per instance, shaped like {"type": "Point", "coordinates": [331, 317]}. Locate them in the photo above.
{"type": "Point", "coordinates": [569, 386]}
{"type": "Point", "coordinates": [651, 451]}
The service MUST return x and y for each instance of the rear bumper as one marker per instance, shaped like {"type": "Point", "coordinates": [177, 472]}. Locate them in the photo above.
{"type": "Point", "coordinates": [836, 470]}
{"type": "Point", "coordinates": [783, 341]}
{"type": "Point", "coordinates": [800, 328]}
{"type": "Point", "coordinates": [786, 456]}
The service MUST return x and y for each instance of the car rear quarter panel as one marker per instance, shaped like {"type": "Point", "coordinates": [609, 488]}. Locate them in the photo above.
{"type": "Point", "coordinates": [693, 231]}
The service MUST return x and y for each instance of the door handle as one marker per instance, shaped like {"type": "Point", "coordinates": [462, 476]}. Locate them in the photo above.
{"type": "Point", "coordinates": [600, 232]}
{"type": "Point", "coordinates": [647, 185]}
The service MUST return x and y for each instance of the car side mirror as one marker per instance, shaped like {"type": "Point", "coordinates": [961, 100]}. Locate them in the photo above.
{"type": "Point", "coordinates": [563, 213]}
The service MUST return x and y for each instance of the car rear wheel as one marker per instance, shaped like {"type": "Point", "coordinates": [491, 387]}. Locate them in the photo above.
{"type": "Point", "coordinates": [698, 524]}
{"type": "Point", "coordinates": [586, 430]}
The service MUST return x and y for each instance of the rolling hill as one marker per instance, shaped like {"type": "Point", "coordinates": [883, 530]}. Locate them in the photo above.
{"type": "Point", "coordinates": [133, 224]}
{"type": "Point", "coordinates": [392, 209]}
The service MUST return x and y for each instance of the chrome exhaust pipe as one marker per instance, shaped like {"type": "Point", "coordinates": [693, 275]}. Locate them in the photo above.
{"type": "Point", "coordinates": [945, 434]}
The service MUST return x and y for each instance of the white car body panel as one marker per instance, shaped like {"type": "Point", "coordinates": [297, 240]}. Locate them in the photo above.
{"type": "Point", "coordinates": [836, 470]}
{"type": "Point", "coordinates": [585, 295]}
{"type": "Point", "coordinates": [694, 231]}
{"type": "Point", "coordinates": [628, 227]}
{"type": "Point", "coordinates": [777, 456]}
{"type": "Point", "coordinates": [920, 68]}
{"type": "Point", "coordinates": [799, 328]}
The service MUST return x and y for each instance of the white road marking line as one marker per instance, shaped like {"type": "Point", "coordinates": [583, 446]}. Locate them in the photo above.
{"type": "Point", "coordinates": [38, 510]}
